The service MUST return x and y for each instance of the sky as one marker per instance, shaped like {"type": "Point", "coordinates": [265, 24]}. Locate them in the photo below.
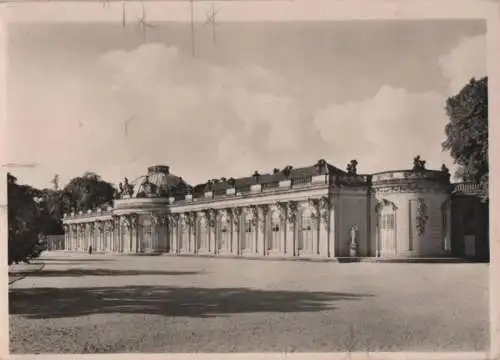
{"type": "Point", "coordinates": [102, 98]}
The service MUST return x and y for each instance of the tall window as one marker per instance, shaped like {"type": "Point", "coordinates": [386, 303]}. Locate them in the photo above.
{"type": "Point", "coordinates": [147, 233]}
{"type": "Point", "coordinates": [387, 242]}
{"type": "Point", "coordinates": [124, 235]}
{"type": "Point", "coordinates": [275, 231]}
{"type": "Point", "coordinates": [306, 238]}
{"type": "Point", "coordinates": [223, 232]}
{"type": "Point", "coordinates": [387, 221]}
{"type": "Point", "coordinates": [249, 232]}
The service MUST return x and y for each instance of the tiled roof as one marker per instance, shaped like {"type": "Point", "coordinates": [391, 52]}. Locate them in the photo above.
{"type": "Point", "coordinates": [219, 186]}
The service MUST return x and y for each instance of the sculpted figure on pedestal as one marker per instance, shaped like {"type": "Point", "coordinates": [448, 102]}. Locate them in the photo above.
{"type": "Point", "coordinates": [351, 167]}
{"type": "Point", "coordinates": [418, 164]}
{"type": "Point", "coordinates": [147, 188]}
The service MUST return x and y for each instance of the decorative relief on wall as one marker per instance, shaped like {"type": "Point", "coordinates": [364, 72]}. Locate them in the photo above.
{"type": "Point", "coordinates": [209, 215]}
{"type": "Point", "coordinates": [277, 216]}
{"type": "Point", "coordinates": [384, 202]}
{"type": "Point", "coordinates": [202, 219]}
{"type": "Point", "coordinates": [108, 225]}
{"type": "Point", "coordinates": [422, 216]}
{"type": "Point", "coordinates": [133, 222]}
{"type": "Point", "coordinates": [314, 208]}
{"type": "Point", "coordinates": [283, 209]}
{"type": "Point", "coordinates": [264, 211]}
{"type": "Point", "coordinates": [124, 221]}
{"type": "Point", "coordinates": [191, 219]}
{"type": "Point", "coordinates": [325, 206]}
{"type": "Point", "coordinates": [292, 208]}
{"type": "Point", "coordinates": [410, 188]}
{"type": "Point", "coordinates": [251, 214]}
{"type": "Point", "coordinates": [236, 216]}
{"type": "Point", "coordinates": [224, 220]}
{"type": "Point", "coordinates": [183, 222]}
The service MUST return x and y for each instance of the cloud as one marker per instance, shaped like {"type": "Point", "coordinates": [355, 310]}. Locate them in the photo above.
{"type": "Point", "coordinates": [201, 119]}
{"type": "Point", "coordinates": [387, 130]}
{"type": "Point", "coordinates": [463, 62]}
{"type": "Point", "coordinates": [207, 121]}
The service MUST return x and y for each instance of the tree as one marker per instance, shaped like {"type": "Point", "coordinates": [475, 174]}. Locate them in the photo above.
{"type": "Point", "coordinates": [24, 235]}
{"type": "Point", "coordinates": [52, 206]}
{"type": "Point", "coordinates": [87, 192]}
{"type": "Point", "coordinates": [467, 132]}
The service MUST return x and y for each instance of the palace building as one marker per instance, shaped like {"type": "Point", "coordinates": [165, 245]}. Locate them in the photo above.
{"type": "Point", "coordinates": [318, 211]}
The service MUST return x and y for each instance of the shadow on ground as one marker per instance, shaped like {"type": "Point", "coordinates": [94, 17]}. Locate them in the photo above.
{"type": "Point", "coordinates": [43, 303]}
{"type": "Point", "coordinates": [76, 272]}
{"type": "Point", "coordinates": [73, 260]}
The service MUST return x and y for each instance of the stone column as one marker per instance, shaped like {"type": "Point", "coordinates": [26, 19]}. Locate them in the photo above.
{"type": "Point", "coordinates": [163, 234]}
{"type": "Point", "coordinates": [66, 245]}
{"type": "Point", "coordinates": [332, 228]}
{"type": "Point", "coordinates": [81, 237]}
{"type": "Point", "coordinates": [176, 226]}
{"type": "Point", "coordinates": [191, 223]}
{"type": "Point", "coordinates": [236, 230]}
{"type": "Point", "coordinates": [317, 242]}
{"type": "Point", "coordinates": [262, 230]}
{"type": "Point", "coordinates": [291, 228]}
{"type": "Point", "coordinates": [324, 222]}
{"type": "Point", "coordinates": [211, 226]}
{"type": "Point", "coordinates": [115, 234]}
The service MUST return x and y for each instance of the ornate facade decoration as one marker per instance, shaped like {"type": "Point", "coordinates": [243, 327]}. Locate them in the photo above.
{"type": "Point", "coordinates": [418, 164]}
{"type": "Point", "coordinates": [291, 212]}
{"type": "Point", "coordinates": [352, 167]}
{"type": "Point", "coordinates": [422, 216]}
{"type": "Point", "coordinates": [236, 216]}
{"type": "Point", "coordinates": [384, 202]}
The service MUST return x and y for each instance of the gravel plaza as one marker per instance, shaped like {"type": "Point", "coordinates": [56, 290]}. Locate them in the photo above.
{"type": "Point", "coordinates": [154, 304]}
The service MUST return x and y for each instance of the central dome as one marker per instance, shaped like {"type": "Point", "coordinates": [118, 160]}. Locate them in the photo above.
{"type": "Point", "coordinates": [161, 181]}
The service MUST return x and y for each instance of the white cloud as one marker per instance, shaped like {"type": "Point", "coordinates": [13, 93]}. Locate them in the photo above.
{"type": "Point", "coordinates": [201, 119]}
{"type": "Point", "coordinates": [210, 121]}
{"type": "Point", "coordinates": [386, 131]}
{"type": "Point", "coordinates": [465, 61]}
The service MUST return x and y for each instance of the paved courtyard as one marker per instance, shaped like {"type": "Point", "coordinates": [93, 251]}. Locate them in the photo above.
{"type": "Point", "coordinates": [82, 303]}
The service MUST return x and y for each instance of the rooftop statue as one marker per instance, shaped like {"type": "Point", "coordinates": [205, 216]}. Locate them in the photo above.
{"type": "Point", "coordinates": [445, 169]}
{"type": "Point", "coordinates": [351, 167]}
{"type": "Point", "coordinates": [147, 189]}
{"type": "Point", "coordinates": [418, 164]}
{"type": "Point", "coordinates": [125, 189]}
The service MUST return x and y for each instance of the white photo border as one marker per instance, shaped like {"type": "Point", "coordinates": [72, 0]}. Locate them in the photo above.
{"type": "Point", "coordinates": [51, 11]}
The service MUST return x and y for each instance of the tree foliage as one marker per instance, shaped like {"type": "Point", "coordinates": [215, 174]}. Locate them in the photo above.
{"type": "Point", "coordinates": [467, 132]}
{"type": "Point", "coordinates": [32, 213]}
{"type": "Point", "coordinates": [87, 192]}
{"type": "Point", "coordinates": [24, 239]}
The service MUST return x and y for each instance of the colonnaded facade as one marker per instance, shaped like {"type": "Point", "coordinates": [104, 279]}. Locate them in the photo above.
{"type": "Point", "coordinates": [318, 211]}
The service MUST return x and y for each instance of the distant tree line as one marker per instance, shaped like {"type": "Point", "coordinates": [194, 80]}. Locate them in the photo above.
{"type": "Point", "coordinates": [33, 213]}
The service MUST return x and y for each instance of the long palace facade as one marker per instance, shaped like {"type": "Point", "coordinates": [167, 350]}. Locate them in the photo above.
{"type": "Point", "coordinates": [318, 211]}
